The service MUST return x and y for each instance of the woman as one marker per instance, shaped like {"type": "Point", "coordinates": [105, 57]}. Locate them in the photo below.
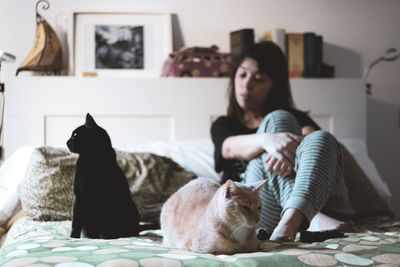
{"type": "Point", "coordinates": [264, 136]}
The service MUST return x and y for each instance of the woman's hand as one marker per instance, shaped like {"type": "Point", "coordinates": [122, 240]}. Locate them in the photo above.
{"type": "Point", "coordinates": [281, 148]}
{"type": "Point", "coordinates": [280, 167]}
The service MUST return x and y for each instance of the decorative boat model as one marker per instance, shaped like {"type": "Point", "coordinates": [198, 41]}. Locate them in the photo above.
{"type": "Point", "coordinates": [46, 53]}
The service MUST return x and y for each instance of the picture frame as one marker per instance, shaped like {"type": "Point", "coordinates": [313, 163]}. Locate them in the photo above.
{"type": "Point", "coordinates": [118, 43]}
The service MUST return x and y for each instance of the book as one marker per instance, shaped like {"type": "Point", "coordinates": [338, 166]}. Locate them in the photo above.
{"type": "Point", "coordinates": [328, 70]}
{"type": "Point", "coordinates": [310, 55]}
{"type": "Point", "coordinates": [295, 54]}
{"type": "Point", "coordinates": [240, 40]}
{"type": "Point", "coordinates": [277, 36]}
{"type": "Point", "coordinates": [319, 44]}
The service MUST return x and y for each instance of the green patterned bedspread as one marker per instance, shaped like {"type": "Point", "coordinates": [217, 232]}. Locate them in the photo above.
{"type": "Point", "coordinates": [48, 244]}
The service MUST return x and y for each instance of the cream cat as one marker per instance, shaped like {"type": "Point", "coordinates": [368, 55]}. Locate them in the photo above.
{"type": "Point", "coordinates": [203, 216]}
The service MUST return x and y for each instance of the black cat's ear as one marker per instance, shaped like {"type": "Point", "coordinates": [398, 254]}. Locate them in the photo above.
{"type": "Point", "coordinates": [230, 188]}
{"type": "Point", "coordinates": [90, 123]}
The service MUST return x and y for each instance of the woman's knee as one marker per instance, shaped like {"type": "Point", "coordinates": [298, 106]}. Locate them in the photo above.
{"type": "Point", "coordinates": [321, 143]}
{"type": "Point", "coordinates": [321, 149]}
{"type": "Point", "coordinates": [321, 137]}
{"type": "Point", "coordinates": [280, 121]}
{"type": "Point", "coordinates": [280, 114]}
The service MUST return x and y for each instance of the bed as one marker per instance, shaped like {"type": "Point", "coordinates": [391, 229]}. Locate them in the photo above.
{"type": "Point", "coordinates": [167, 118]}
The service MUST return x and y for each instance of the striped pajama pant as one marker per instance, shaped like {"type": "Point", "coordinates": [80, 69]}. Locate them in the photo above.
{"type": "Point", "coordinates": [316, 183]}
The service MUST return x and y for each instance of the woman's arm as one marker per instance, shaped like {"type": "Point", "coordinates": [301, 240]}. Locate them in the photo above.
{"type": "Point", "coordinates": [281, 167]}
{"type": "Point", "coordinates": [243, 147]}
{"type": "Point", "coordinates": [280, 145]}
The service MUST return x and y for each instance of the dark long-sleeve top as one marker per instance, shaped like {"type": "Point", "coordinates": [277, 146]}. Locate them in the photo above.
{"type": "Point", "coordinates": [225, 127]}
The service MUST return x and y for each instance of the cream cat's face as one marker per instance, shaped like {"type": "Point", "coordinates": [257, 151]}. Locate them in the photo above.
{"type": "Point", "coordinates": [241, 203]}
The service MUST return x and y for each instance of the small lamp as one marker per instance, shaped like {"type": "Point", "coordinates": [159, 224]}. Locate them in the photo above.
{"type": "Point", "coordinates": [391, 54]}
{"type": "Point", "coordinates": [4, 57]}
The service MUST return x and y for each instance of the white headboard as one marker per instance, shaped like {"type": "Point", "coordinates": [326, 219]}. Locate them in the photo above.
{"type": "Point", "coordinates": [45, 110]}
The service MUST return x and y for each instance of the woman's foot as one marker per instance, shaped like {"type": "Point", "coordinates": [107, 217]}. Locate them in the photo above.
{"type": "Point", "coordinates": [288, 226]}
{"type": "Point", "coordinates": [322, 222]}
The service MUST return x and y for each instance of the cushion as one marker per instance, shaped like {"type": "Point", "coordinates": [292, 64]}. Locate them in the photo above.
{"type": "Point", "coordinates": [46, 192]}
{"type": "Point", "coordinates": [363, 196]}
{"type": "Point", "coordinates": [152, 180]}
{"type": "Point", "coordinates": [193, 155]}
{"type": "Point", "coordinates": [358, 150]}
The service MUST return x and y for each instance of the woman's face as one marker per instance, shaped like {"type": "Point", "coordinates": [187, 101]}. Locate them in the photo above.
{"type": "Point", "coordinates": [251, 87]}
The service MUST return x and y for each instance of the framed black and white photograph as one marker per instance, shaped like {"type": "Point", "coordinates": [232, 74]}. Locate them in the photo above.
{"type": "Point", "coordinates": [119, 44]}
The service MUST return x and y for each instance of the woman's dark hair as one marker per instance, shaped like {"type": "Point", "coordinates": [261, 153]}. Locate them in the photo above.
{"type": "Point", "coordinates": [271, 61]}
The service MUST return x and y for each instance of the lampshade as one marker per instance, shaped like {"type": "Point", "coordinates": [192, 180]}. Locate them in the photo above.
{"type": "Point", "coordinates": [390, 54]}
{"type": "Point", "coordinates": [4, 57]}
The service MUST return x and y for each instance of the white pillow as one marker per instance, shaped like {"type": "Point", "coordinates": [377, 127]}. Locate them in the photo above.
{"type": "Point", "coordinates": [12, 172]}
{"type": "Point", "coordinates": [196, 156]}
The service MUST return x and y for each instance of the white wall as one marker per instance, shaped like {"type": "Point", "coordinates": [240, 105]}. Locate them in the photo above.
{"type": "Point", "coordinates": [355, 33]}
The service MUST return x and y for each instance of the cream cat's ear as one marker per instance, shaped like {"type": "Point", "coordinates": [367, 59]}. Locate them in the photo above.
{"type": "Point", "coordinates": [230, 188]}
{"type": "Point", "coordinates": [258, 185]}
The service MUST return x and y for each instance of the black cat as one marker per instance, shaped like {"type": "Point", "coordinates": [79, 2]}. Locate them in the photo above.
{"type": "Point", "coordinates": [103, 207]}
